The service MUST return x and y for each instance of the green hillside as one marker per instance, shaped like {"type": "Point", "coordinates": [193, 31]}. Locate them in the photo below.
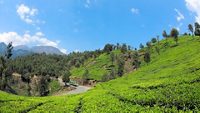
{"type": "Point", "coordinates": [97, 66]}
{"type": "Point", "coordinates": [169, 83]}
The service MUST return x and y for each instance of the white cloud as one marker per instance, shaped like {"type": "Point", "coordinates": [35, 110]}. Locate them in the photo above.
{"type": "Point", "coordinates": [194, 6]}
{"type": "Point", "coordinates": [180, 16]}
{"type": "Point", "coordinates": [135, 11]}
{"type": "Point", "coordinates": [63, 51]}
{"type": "Point", "coordinates": [38, 39]}
{"type": "Point", "coordinates": [26, 13]}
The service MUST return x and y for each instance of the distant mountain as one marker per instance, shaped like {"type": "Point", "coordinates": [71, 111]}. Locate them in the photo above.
{"type": "Point", "coordinates": [46, 49]}
{"type": "Point", "coordinates": [22, 47]}
{"type": "Point", "coordinates": [23, 50]}
{"type": "Point", "coordinates": [20, 52]}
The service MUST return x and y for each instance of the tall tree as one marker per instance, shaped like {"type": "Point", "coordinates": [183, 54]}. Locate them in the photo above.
{"type": "Point", "coordinates": [4, 66]}
{"type": "Point", "coordinates": [191, 29]}
{"type": "Point", "coordinates": [174, 33]}
{"type": "Point", "coordinates": [197, 29]}
{"type": "Point", "coordinates": [9, 50]}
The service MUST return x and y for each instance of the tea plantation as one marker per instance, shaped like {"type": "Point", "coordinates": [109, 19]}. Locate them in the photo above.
{"type": "Point", "coordinates": [169, 83]}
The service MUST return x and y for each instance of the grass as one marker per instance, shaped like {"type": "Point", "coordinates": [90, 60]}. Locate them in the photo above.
{"type": "Point", "coordinates": [170, 83]}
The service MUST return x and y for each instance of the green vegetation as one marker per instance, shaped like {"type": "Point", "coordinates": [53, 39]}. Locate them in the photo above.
{"type": "Point", "coordinates": [4, 68]}
{"type": "Point", "coordinates": [65, 76]}
{"type": "Point", "coordinates": [96, 66]}
{"type": "Point", "coordinates": [54, 86]}
{"type": "Point", "coordinates": [169, 83]}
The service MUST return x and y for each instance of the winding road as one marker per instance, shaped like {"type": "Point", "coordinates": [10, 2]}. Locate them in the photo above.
{"type": "Point", "coordinates": [79, 89]}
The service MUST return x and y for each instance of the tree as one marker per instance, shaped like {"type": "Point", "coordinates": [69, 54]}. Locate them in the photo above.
{"type": "Point", "coordinates": [43, 86]}
{"type": "Point", "coordinates": [197, 29]}
{"type": "Point", "coordinates": [124, 48]}
{"type": "Point", "coordinates": [66, 76]}
{"type": "Point", "coordinates": [85, 76]}
{"type": "Point", "coordinates": [191, 29]}
{"type": "Point", "coordinates": [108, 48]}
{"type": "Point", "coordinates": [112, 57]}
{"type": "Point", "coordinates": [148, 44]}
{"type": "Point", "coordinates": [164, 34]}
{"type": "Point", "coordinates": [136, 60]}
{"type": "Point", "coordinates": [129, 47]}
{"type": "Point", "coordinates": [153, 40]}
{"type": "Point", "coordinates": [141, 46]}
{"type": "Point", "coordinates": [147, 57]}
{"type": "Point", "coordinates": [121, 63]}
{"type": "Point", "coordinates": [4, 66]}
{"type": "Point", "coordinates": [174, 33]}
{"type": "Point", "coordinates": [9, 50]}
{"type": "Point", "coordinates": [118, 46]}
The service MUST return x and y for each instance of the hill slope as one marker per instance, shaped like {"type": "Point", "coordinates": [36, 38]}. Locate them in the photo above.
{"type": "Point", "coordinates": [170, 83]}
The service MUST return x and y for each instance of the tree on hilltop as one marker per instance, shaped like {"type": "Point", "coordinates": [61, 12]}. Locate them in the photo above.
{"type": "Point", "coordinates": [174, 33]}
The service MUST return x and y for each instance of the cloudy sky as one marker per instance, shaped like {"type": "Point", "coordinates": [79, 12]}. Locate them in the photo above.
{"type": "Point", "coordinates": [78, 25]}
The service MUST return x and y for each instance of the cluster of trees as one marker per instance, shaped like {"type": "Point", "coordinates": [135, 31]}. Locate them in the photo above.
{"type": "Point", "coordinates": [4, 68]}
{"type": "Point", "coordinates": [174, 33]}
{"type": "Point", "coordinates": [108, 48]}
{"type": "Point", "coordinates": [42, 65]}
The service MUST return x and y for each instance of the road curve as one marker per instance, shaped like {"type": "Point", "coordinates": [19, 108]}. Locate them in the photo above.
{"type": "Point", "coordinates": [78, 90]}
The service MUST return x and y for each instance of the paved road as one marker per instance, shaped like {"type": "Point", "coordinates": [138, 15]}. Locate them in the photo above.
{"type": "Point", "coordinates": [79, 89]}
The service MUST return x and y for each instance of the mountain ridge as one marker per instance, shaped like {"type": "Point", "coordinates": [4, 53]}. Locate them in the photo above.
{"type": "Point", "coordinates": [22, 50]}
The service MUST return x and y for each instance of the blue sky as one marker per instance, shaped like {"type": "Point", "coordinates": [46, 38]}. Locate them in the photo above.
{"type": "Point", "coordinates": [78, 25]}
